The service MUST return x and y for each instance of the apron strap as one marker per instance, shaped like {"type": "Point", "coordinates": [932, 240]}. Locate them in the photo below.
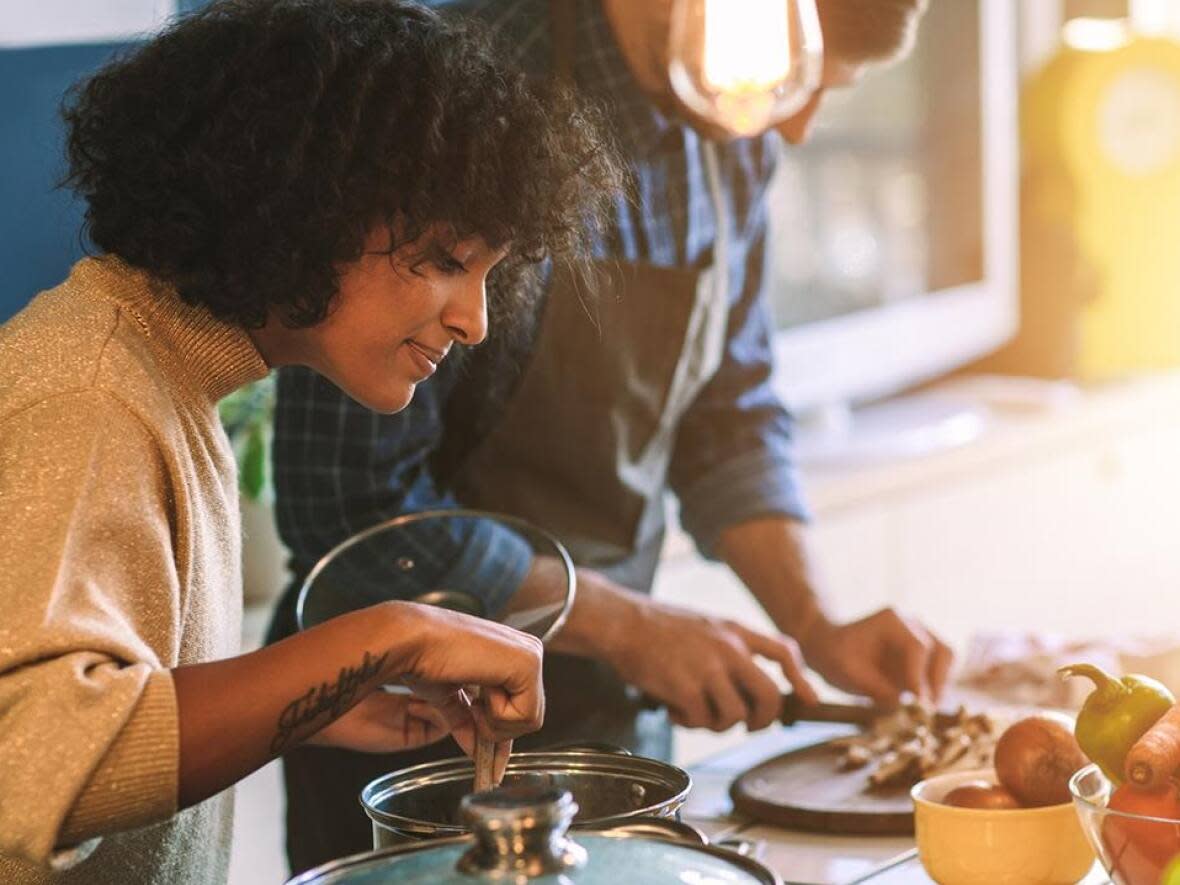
{"type": "Point", "coordinates": [720, 217]}
{"type": "Point", "coordinates": [564, 27]}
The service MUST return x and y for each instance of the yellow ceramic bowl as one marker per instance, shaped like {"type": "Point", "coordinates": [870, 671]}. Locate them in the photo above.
{"type": "Point", "coordinates": [976, 846]}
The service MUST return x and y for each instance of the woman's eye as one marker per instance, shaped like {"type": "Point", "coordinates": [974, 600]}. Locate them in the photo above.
{"type": "Point", "coordinates": [449, 264]}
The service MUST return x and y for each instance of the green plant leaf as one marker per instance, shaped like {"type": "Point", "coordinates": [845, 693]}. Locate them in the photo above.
{"type": "Point", "coordinates": [253, 467]}
{"type": "Point", "coordinates": [246, 414]}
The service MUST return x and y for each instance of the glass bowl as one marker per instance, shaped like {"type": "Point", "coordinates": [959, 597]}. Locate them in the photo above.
{"type": "Point", "coordinates": [1134, 849]}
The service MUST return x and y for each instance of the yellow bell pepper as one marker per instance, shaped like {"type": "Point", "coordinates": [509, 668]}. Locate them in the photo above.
{"type": "Point", "coordinates": [1116, 714]}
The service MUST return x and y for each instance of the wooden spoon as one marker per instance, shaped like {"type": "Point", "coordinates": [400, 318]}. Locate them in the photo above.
{"type": "Point", "coordinates": [485, 753]}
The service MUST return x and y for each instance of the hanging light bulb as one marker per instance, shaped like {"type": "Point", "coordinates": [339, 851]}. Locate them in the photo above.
{"type": "Point", "coordinates": [745, 64]}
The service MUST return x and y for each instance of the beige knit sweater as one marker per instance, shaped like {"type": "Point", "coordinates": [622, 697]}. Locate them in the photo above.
{"type": "Point", "coordinates": [119, 559]}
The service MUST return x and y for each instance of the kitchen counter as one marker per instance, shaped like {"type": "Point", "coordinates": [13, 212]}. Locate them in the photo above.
{"type": "Point", "coordinates": [803, 858]}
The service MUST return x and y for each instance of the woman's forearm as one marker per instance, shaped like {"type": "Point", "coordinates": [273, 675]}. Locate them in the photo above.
{"type": "Point", "coordinates": [238, 713]}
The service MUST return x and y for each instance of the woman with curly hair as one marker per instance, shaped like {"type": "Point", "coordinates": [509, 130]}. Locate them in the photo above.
{"type": "Point", "coordinates": [328, 183]}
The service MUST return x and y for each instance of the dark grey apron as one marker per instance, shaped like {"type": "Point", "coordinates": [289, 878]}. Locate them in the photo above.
{"type": "Point", "coordinates": [583, 446]}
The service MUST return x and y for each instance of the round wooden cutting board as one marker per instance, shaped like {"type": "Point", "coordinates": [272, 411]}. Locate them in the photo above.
{"type": "Point", "coordinates": [805, 790]}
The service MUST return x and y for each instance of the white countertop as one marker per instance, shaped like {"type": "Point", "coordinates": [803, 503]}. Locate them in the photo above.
{"type": "Point", "coordinates": [802, 858]}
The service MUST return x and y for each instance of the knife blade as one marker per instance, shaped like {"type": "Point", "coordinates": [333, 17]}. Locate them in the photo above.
{"type": "Point", "coordinates": [861, 713]}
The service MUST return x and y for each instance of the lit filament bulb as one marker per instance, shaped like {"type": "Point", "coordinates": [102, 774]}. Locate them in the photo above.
{"type": "Point", "coordinates": [745, 64]}
{"type": "Point", "coordinates": [739, 58]}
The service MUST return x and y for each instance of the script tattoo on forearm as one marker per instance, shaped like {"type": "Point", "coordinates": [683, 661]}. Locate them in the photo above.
{"type": "Point", "coordinates": [327, 700]}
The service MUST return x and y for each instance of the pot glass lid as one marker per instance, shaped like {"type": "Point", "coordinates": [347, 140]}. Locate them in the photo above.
{"type": "Point", "coordinates": [485, 564]}
{"type": "Point", "coordinates": [522, 835]}
{"type": "Point", "coordinates": [611, 860]}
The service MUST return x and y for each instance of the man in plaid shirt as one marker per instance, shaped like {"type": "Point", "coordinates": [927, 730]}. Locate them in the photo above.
{"type": "Point", "coordinates": [660, 382]}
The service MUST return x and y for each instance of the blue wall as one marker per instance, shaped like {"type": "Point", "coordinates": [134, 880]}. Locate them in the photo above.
{"type": "Point", "coordinates": [39, 225]}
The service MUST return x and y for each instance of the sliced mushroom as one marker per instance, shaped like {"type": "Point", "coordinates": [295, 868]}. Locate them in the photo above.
{"type": "Point", "coordinates": [912, 743]}
{"type": "Point", "coordinates": [856, 756]}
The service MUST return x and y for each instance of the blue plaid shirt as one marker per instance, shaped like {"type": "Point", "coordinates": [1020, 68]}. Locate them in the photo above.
{"type": "Point", "coordinates": [340, 468]}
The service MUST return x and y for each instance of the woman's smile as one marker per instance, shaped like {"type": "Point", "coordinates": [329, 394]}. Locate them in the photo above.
{"type": "Point", "coordinates": [426, 358]}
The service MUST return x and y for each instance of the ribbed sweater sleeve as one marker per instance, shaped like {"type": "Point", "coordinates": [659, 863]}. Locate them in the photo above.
{"type": "Point", "coordinates": [88, 720]}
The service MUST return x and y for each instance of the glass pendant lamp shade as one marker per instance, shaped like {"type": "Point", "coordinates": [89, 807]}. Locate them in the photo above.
{"type": "Point", "coordinates": [745, 64]}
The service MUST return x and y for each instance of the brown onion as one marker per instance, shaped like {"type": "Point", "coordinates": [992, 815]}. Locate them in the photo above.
{"type": "Point", "coordinates": [980, 795]}
{"type": "Point", "coordinates": [1036, 757]}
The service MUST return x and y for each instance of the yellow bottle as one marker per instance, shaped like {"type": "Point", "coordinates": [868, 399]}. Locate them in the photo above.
{"type": "Point", "coordinates": [1101, 144]}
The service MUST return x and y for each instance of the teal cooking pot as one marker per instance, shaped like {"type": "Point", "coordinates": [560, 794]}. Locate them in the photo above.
{"type": "Point", "coordinates": [521, 835]}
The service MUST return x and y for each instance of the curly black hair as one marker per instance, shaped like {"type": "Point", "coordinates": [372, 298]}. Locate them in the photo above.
{"type": "Point", "coordinates": [245, 153]}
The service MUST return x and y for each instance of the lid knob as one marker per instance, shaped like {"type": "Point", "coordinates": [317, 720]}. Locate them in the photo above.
{"type": "Point", "coordinates": [521, 830]}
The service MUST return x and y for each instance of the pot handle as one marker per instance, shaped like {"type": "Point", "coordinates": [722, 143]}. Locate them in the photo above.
{"type": "Point", "coordinates": [659, 828]}
{"type": "Point", "coordinates": [751, 848]}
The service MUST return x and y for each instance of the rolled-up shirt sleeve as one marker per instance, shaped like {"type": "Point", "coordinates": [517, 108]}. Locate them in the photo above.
{"type": "Point", "coordinates": [733, 455]}
{"type": "Point", "coordinates": [88, 720]}
{"type": "Point", "coordinates": [493, 562]}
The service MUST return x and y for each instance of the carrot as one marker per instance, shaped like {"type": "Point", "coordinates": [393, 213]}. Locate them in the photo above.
{"type": "Point", "coordinates": [1156, 755]}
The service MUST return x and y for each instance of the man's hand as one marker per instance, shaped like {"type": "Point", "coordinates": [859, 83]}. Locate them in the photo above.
{"type": "Point", "coordinates": [880, 656]}
{"type": "Point", "coordinates": [705, 669]}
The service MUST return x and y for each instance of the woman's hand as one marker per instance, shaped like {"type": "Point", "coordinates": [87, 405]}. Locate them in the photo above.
{"type": "Point", "coordinates": [386, 723]}
{"type": "Point", "coordinates": [463, 718]}
{"type": "Point", "coordinates": [238, 712]}
{"type": "Point", "coordinates": [453, 650]}
{"type": "Point", "coordinates": [457, 650]}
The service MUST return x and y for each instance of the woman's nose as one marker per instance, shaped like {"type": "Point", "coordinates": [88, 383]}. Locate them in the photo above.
{"type": "Point", "coordinates": [466, 316]}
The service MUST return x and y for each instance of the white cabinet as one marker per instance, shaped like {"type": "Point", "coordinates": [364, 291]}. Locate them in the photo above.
{"type": "Point", "coordinates": [1061, 517]}
{"type": "Point", "coordinates": [1086, 542]}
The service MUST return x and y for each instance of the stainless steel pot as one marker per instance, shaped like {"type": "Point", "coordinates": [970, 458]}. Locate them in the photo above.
{"type": "Point", "coordinates": [521, 835]}
{"type": "Point", "coordinates": [609, 788]}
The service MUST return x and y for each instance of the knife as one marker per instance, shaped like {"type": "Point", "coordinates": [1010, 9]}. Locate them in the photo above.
{"type": "Point", "coordinates": [794, 709]}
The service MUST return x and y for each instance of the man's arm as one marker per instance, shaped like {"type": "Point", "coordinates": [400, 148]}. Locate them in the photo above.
{"type": "Point", "coordinates": [704, 669]}
{"type": "Point", "coordinates": [733, 457]}
{"type": "Point", "coordinates": [881, 655]}
{"type": "Point", "coordinates": [339, 468]}
{"type": "Point", "coordinates": [740, 498]}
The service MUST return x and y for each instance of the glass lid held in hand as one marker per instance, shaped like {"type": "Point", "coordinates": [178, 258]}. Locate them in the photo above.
{"type": "Point", "coordinates": [484, 564]}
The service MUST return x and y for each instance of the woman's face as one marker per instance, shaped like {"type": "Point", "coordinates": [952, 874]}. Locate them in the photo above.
{"type": "Point", "coordinates": [397, 315]}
